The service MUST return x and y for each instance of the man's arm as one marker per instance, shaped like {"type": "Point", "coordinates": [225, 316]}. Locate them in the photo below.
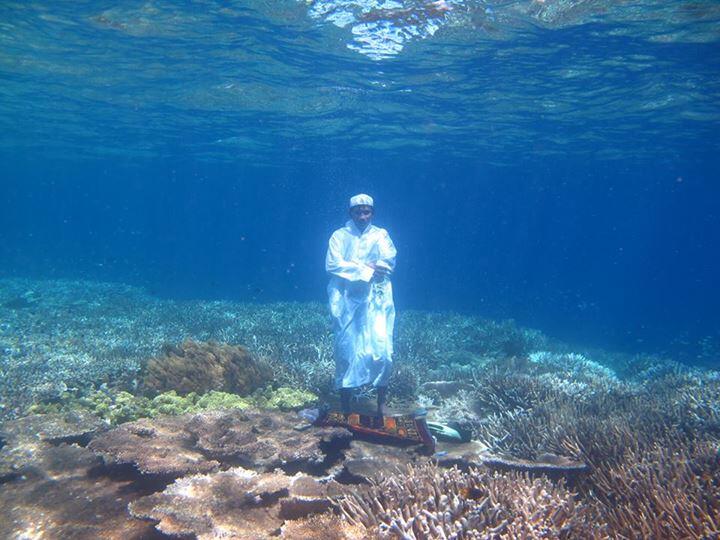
{"type": "Point", "coordinates": [338, 266]}
{"type": "Point", "coordinates": [387, 250]}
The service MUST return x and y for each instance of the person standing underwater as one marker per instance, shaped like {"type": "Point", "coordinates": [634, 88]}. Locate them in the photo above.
{"type": "Point", "coordinates": [360, 260]}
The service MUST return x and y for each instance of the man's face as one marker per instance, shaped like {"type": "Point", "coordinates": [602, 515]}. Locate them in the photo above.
{"type": "Point", "coordinates": [361, 215]}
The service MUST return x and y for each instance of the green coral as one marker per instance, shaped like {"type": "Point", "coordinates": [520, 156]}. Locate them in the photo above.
{"type": "Point", "coordinates": [171, 403]}
{"type": "Point", "coordinates": [284, 398]}
{"type": "Point", "coordinates": [221, 400]}
{"type": "Point", "coordinates": [118, 407]}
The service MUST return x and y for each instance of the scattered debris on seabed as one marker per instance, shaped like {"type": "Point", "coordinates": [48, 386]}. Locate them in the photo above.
{"type": "Point", "coordinates": [124, 416]}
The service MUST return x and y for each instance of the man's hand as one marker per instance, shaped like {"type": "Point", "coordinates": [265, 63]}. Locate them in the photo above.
{"type": "Point", "coordinates": [381, 271]}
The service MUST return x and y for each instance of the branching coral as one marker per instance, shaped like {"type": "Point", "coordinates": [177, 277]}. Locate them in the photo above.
{"type": "Point", "coordinates": [427, 502]}
{"type": "Point", "coordinates": [670, 492]}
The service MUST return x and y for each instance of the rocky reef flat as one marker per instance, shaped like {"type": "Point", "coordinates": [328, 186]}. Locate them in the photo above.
{"type": "Point", "coordinates": [127, 416]}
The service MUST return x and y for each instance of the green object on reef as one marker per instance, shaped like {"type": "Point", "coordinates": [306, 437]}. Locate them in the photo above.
{"type": "Point", "coordinates": [221, 400]}
{"type": "Point", "coordinates": [117, 407]}
{"type": "Point", "coordinates": [284, 398]}
{"type": "Point", "coordinates": [443, 432]}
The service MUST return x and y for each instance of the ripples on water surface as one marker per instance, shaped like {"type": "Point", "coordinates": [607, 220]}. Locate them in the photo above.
{"type": "Point", "coordinates": [228, 80]}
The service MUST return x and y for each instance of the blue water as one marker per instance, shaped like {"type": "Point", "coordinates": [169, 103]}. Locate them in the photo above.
{"type": "Point", "coordinates": [553, 162]}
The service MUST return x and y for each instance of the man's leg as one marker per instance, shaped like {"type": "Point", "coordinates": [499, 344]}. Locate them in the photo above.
{"type": "Point", "coordinates": [381, 398]}
{"type": "Point", "coordinates": [345, 395]}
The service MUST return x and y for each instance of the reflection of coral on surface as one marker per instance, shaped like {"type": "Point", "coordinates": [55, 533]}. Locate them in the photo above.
{"type": "Point", "coordinates": [201, 367]}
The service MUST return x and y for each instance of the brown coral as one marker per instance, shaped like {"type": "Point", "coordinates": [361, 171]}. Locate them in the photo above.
{"type": "Point", "coordinates": [51, 487]}
{"type": "Point", "coordinates": [237, 503]}
{"type": "Point", "coordinates": [204, 442]}
{"type": "Point", "coordinates": [26, 444]}
{"type": "Point", "coordinates": [201, 367]}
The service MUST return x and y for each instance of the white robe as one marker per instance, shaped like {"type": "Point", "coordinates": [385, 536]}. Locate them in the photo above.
{"type": "Point", "coordinates": [362, 309]}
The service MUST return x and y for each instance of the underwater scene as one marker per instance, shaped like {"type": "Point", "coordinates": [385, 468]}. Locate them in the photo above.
{"type": "Point", "coordinates": [359, 269]}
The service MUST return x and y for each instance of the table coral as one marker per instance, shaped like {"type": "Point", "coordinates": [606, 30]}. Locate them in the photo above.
{"type": "Point", "coordinates": [51, 487]}
{"type": "Point", "coordinates": [203, 442]}
{"type": "Point", "coordinates": [161, 447]}
{"type": "Point", "coordinates": [236, 503]}
{"type": "Point", "coordinates": [27, 443]}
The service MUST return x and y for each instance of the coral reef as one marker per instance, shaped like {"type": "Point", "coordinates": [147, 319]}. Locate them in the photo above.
{"type": "Point", "coordinates": [79, 335]}
{"type": "Point", "coordinates": [202, 367]}
{"type": "Point", "coordinates": [634, 437]}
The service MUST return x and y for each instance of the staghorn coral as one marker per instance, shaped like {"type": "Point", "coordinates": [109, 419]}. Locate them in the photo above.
{"type": "Point", "coordinates": [325, 526]}
{"type": "Point", "coordinates": [426, 502]}
{"type": "Point", "coordinates": [201, 367]}
{"type": "Point", "coordinates": [596, 431]}
{"type": "Point", "coordinates": [403, 383]}
{"type": "Point", "coordinates": [670, 492]}
{"type": "Point", "coordinates": [576, 365]}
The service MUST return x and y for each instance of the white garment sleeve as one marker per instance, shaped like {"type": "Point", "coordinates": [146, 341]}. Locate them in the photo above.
{"type": "Point", "coordinates": [387, 250]}
{"type": "Point", "coordinates": [338, 266]}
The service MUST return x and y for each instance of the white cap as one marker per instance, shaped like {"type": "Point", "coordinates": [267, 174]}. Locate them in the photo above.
{"type": "Point", "coordinates": [361, 199]}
